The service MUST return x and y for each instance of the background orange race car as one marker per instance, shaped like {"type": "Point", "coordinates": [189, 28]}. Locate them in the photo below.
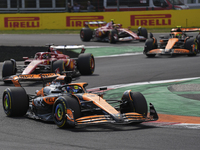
{"type": "Point", "coordinates": [69, 104]}
{"type": "Point", "coordinates": [176, 43]}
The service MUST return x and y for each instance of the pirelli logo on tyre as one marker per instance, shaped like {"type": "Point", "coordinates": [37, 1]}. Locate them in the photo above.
{"type": "Point", "coordinates": [151, 20]}
{"type": "Point", "coordinates": [79, 21]}
{"type": "Point", "coordinates": [22, 22]}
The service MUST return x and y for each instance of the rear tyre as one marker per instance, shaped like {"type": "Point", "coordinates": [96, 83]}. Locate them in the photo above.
{"type": "Point", "coordinates": [8, 69]}
{"type": "Point", "coordinates": [189, 46]}
{"type": "Point", "coordinates": [86, 34]}
{"type": "Point", "coordinates": [143, 32]}
{"type": "Point", "coordinates": [138, 104]}
{"type": "Point", "coordinates": [60, 109]}
{"type": "Point", "coordinates": [149, 45]}
{"type": "Point", "coordinates": [58, 66]}
{"type": "Point", "coordinates": [15, 101]}
{"type": "Point", "coordinates": [198, 42]}
{"type": "Point", "coordinates": [113, 36]}
{"type": "Point", "coordinates": [86, 64]}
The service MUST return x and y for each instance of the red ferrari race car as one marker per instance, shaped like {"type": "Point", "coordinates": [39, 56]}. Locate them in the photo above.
{"type": "Point", "coordinates": [69, 104]}
{"type": "Point", "coordinates": [176, 43]}
{"type": "Point", "coordinates": [111, 33]}
{"type": "Point", "coordinates": [52, 61]}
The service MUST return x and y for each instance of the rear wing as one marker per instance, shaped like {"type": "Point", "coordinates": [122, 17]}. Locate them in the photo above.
{"type": "Point", "coordinates": [66, 47]}
{"type": "Point", "coordinates": [186, 29]}
{"type": "Point", "coordinates": [95, 23]}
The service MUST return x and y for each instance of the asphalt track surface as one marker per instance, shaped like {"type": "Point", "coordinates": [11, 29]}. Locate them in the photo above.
{"type": "Point", "coordinates": [57, 39]}
{"type": "Point", "coordinates": [23, 133]}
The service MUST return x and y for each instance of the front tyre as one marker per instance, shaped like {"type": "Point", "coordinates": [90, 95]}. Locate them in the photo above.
{"type": "Point", "coordinates": [190, 45]}
{"type": "Point", "coordinates": [9, 68]}
{"type": "Point", "coordinates": [143, 32]}
{"type": "Point", "coordinates": [134, 102]}
{"type": "Point", "coordinates": [86, 64]}
{"type": "Point", "coordinates": [15, 101]}
{"type": "Point", "coordinates": [149, 45]}
{"type": "Point", "coordinates": [86, 34]}
{"type": "Point", "coordinates": [58, 66]}
{"type": "Point", "coordinates": [113, 36]}
{"type": "Point", "coordinates": [65, 110]}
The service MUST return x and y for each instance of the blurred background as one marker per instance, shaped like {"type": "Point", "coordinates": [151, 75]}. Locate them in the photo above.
{"type": "Point", "coordinates": [26, 6]}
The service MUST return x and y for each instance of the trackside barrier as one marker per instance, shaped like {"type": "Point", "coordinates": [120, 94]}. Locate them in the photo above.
{"type": "Point", "coordinates": [18, 52]}
{"type": "Point", "coordinates": [133, 19]}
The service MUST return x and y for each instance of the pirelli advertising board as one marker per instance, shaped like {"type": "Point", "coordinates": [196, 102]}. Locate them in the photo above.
{"type": "Point", "coordinates": [133, 19]}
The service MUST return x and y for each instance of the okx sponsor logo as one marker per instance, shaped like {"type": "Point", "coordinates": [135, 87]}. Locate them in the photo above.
{"type": "Point", "coordinates": [151, 20]}
{"type": "Point", "coordinates": [79, 21]}
{"type": "Point", "coordinates": [21, 22]}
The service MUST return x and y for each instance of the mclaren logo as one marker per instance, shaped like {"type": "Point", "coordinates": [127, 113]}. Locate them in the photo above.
{"type": "Point", "coordinates": [151, 20]}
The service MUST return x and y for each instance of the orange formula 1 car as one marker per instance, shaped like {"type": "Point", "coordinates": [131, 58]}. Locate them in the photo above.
{"type": "Point", "coordinates": [177, 43]}
{"type": "Point", "coordinates": [69, 104]}
{"type": "Point", "coordinates": [52, 61]}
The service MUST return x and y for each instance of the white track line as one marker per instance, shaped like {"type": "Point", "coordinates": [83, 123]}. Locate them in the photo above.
{"type": "Point", "coordinates": [145, 83]}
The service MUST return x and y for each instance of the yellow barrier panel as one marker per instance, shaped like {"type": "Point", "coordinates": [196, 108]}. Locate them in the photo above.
{"type": "Point", "coordinates": [133, 19]}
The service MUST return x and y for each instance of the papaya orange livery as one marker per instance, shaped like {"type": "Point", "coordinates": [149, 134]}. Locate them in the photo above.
{"type": "Point", "coordinates": [176, 43]}
{"type": "Point", "coordinates": [69, 104]}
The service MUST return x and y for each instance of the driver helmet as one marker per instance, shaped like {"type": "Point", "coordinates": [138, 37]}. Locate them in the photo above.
{"type": "Point", "coordinates": [112, 20]}
{"type": "Point", "coordinates": [179, 35]}
{"type": "Point", "coordinates": [44, 56]}
{"type": "Point", "coordinates": [178, 29]}
{"type": "Point", "coordinates": [72, 89]}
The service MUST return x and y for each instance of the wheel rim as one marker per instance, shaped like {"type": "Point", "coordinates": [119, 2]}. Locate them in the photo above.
{"type": "Point", "coordinates": [109, 37]}
{"type": "Point", "coordinates": [115, 36]}
{"type": "Point", "coordinates": [92, 63]}
{"type": "Point", "coordinates": [82, 34]}
{"type": "Point", "coordinates": [59, 112]}
{"type": "Point", "coordinates": [6, 102]}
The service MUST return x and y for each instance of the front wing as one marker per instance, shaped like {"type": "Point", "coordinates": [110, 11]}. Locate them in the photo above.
{"type": "Point", "coordinates": [127, 118]}
{"type": "Point", "coordinates": [170, 51]}
{"type": "Point", "coordinates": [132, 35]}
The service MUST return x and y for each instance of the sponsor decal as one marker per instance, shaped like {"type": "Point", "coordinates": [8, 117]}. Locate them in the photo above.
{"type": "Point", "coordinates": [79, 21]}
{"type": "Point", "coordinates": [22, 22]}
{"type": "Point", "coordinates": [26, 76]}
{"type": "Point", "coordinates": [151, 20]}
{"type": "Point", "coordinates": [49, 99]}
{"type": "Point", "coordinates": [181, 51]}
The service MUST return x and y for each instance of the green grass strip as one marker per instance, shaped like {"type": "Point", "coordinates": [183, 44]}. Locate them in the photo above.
{"type": "Point", "coordinates": [106, 51]}
{"type": "Point", "coordinates": [165, 101]}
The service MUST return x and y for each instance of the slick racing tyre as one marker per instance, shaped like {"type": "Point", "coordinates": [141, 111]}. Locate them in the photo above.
{"type": "Point", "coordinates": [9, 68]}
{"type": "Point", "coordinates": [135, 103]}
{"type": "Point", "coordinates": [149, 45]}
{"type": "Point", "coordinates": [143, 32]}
{"type": "Point", "coordinates": [198, 42]}
{"type": "Point", "coordinates": [65, 110]}
{"type": "Point", "coordinates": [113, 36]}
{"type": "Point", "coordinates": [86, 34]}
{"type": "Point", "coordinates": [86, 64]}
{"type": "Point", "coordinates": [189, 46]}
{"type": "Point", "coordinates": [15, 101]}
{"type": "Point", "coordinates": [58, 66]}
